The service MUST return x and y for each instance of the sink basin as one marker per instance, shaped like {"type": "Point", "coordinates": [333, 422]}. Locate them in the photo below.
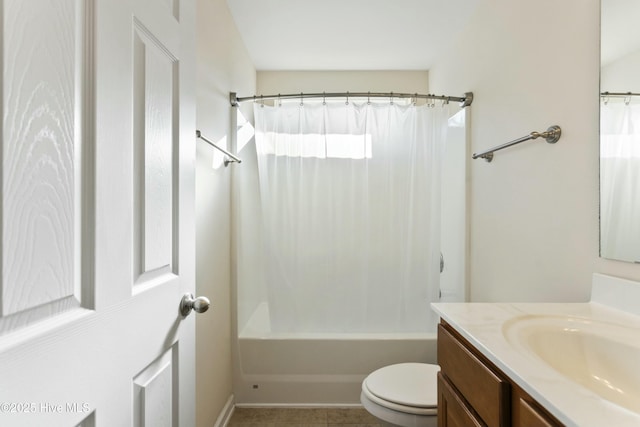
{"type": "Point", "coordinates": [599, 356]}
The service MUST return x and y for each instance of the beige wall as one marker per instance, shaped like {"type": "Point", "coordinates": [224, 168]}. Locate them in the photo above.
{"type": "Point", "coordinates": [223, 66]}
{"type": "Point", "coordinates": [534, 209]}
{"type": "Point", "coordinates": [621, 75]}
{"type": "Point", "coordinates": [273, 82]}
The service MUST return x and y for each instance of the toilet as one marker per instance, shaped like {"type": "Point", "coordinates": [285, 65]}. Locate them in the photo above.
{"type": "Point", "coordinates": [403, 395]}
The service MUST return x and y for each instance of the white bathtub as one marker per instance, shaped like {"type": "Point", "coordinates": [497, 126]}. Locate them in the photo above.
{"type": "Point", "coordinates": [316, 369]}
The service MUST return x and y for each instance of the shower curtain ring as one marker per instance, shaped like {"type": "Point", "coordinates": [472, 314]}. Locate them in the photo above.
{"type": "Point", "coordinates": [301, 101]}
{"type": "Point", "coordinates": [324, 100]}
{"type": "Point", "coordinates": [391, 98]}
{"type": "Point", "coordinates": [347, 101]}
{"type": "Point", "coordinates": [415, 99]}
{"type": "Point", "coordinates": [369, 98]}
{"type": "Point", "coordinates": [261, 101]}
{"type": "Point", "coordinates": [279, 101]}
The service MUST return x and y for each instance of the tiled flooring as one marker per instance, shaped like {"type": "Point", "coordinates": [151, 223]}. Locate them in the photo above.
{"type": "Point", "coordinates": [298, 417]}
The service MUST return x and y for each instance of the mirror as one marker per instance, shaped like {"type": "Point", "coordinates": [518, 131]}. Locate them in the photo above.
{"type": "Point", "coordinates": [620, 130]}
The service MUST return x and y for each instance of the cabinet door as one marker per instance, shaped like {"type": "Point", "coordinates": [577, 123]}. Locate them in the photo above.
{"type": "Point", "coordinates": [452, 409]}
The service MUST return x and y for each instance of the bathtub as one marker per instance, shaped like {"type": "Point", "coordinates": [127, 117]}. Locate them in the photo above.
{"type": "Point", "coordinates": [315, 369]}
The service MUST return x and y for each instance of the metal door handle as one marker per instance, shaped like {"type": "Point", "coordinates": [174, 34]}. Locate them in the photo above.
{"type": "Point", "coordinates": [188, 303]}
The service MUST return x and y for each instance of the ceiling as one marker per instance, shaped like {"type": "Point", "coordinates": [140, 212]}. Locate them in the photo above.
{"type": "Point", "coordinates": [349, 34]}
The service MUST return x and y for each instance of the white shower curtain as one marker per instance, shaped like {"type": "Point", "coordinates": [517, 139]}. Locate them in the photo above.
{"type": "Point", "coordinates": [350, 205]}
{"type": "Point", "coordinates": [620, 180]}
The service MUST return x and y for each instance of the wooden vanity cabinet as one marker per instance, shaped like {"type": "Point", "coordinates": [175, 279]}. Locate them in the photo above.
{"type": "Point", "coordinates": [472, 391]}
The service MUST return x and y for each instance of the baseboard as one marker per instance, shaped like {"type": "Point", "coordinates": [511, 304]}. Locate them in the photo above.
{"type": "Point", "coordinates": [230, 406]}
{"type": "Point", "coordinates": [226, 413]}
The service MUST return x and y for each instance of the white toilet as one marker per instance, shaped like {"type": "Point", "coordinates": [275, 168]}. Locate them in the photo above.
{"type": "Point", "coordinates": [403, 395]}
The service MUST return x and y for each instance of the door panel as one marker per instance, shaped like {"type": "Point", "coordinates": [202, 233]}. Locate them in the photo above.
{"type": "Point", "coordinates": [155, 106]}
{"type": "Point", "coordinates": [42, 167]}
{"type": "Point", "coordinates": [154, 393]}
{"type": "Point", "coordinates": [97, 209]}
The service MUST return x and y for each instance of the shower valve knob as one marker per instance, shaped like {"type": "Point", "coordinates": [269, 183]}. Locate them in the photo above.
{"type": "Point", "coordinates": [189, 303]}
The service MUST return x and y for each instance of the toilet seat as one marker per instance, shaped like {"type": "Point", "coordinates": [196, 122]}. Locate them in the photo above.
{"type": "Point", "coordinates": [410, 388]}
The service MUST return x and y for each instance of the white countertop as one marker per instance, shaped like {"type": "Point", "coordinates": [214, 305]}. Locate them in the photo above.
{"type": "Point", "coordinates": [572, 404]}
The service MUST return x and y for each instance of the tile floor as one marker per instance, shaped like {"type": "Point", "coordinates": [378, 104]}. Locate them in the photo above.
{"type": "Point", "coordinates": [298, 417]}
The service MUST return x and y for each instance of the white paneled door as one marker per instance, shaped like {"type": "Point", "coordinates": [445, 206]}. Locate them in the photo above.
{"type": "Point", "coordinates": [97, 213]}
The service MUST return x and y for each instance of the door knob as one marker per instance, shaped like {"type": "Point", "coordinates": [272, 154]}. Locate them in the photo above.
{"type": "Point", "coordinates": [188, 303]}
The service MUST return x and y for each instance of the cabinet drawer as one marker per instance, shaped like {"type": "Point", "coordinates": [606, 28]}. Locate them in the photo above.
{"type": "Point", "coordinates": [452, 409]}
{"type": "Point", "coordinates": [484, 390]}
{"type": "Point", "coordinates": [528, 414]}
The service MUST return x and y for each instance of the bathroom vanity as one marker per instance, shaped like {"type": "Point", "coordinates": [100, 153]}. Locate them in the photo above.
{"type": "Point", "coordinates": [542, 364]}
{"type": "Point", "coordinates": [472, 391]}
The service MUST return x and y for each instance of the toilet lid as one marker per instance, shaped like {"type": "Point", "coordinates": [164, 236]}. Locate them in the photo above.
{"type": "Point", "coordinates": [407, 384]}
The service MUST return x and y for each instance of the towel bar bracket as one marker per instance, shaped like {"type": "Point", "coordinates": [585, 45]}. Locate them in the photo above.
{"type": "Point", "coordinates": [551, 135]}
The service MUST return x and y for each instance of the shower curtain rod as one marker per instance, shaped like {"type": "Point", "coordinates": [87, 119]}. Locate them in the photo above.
{"type": "Point", "coordinates": [465, 100]}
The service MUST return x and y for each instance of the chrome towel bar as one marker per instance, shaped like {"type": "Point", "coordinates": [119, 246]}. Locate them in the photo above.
{"type": "Point", "coordinates": [230, 157]}
{"type": "Point", "coordinates": [551, 135]}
